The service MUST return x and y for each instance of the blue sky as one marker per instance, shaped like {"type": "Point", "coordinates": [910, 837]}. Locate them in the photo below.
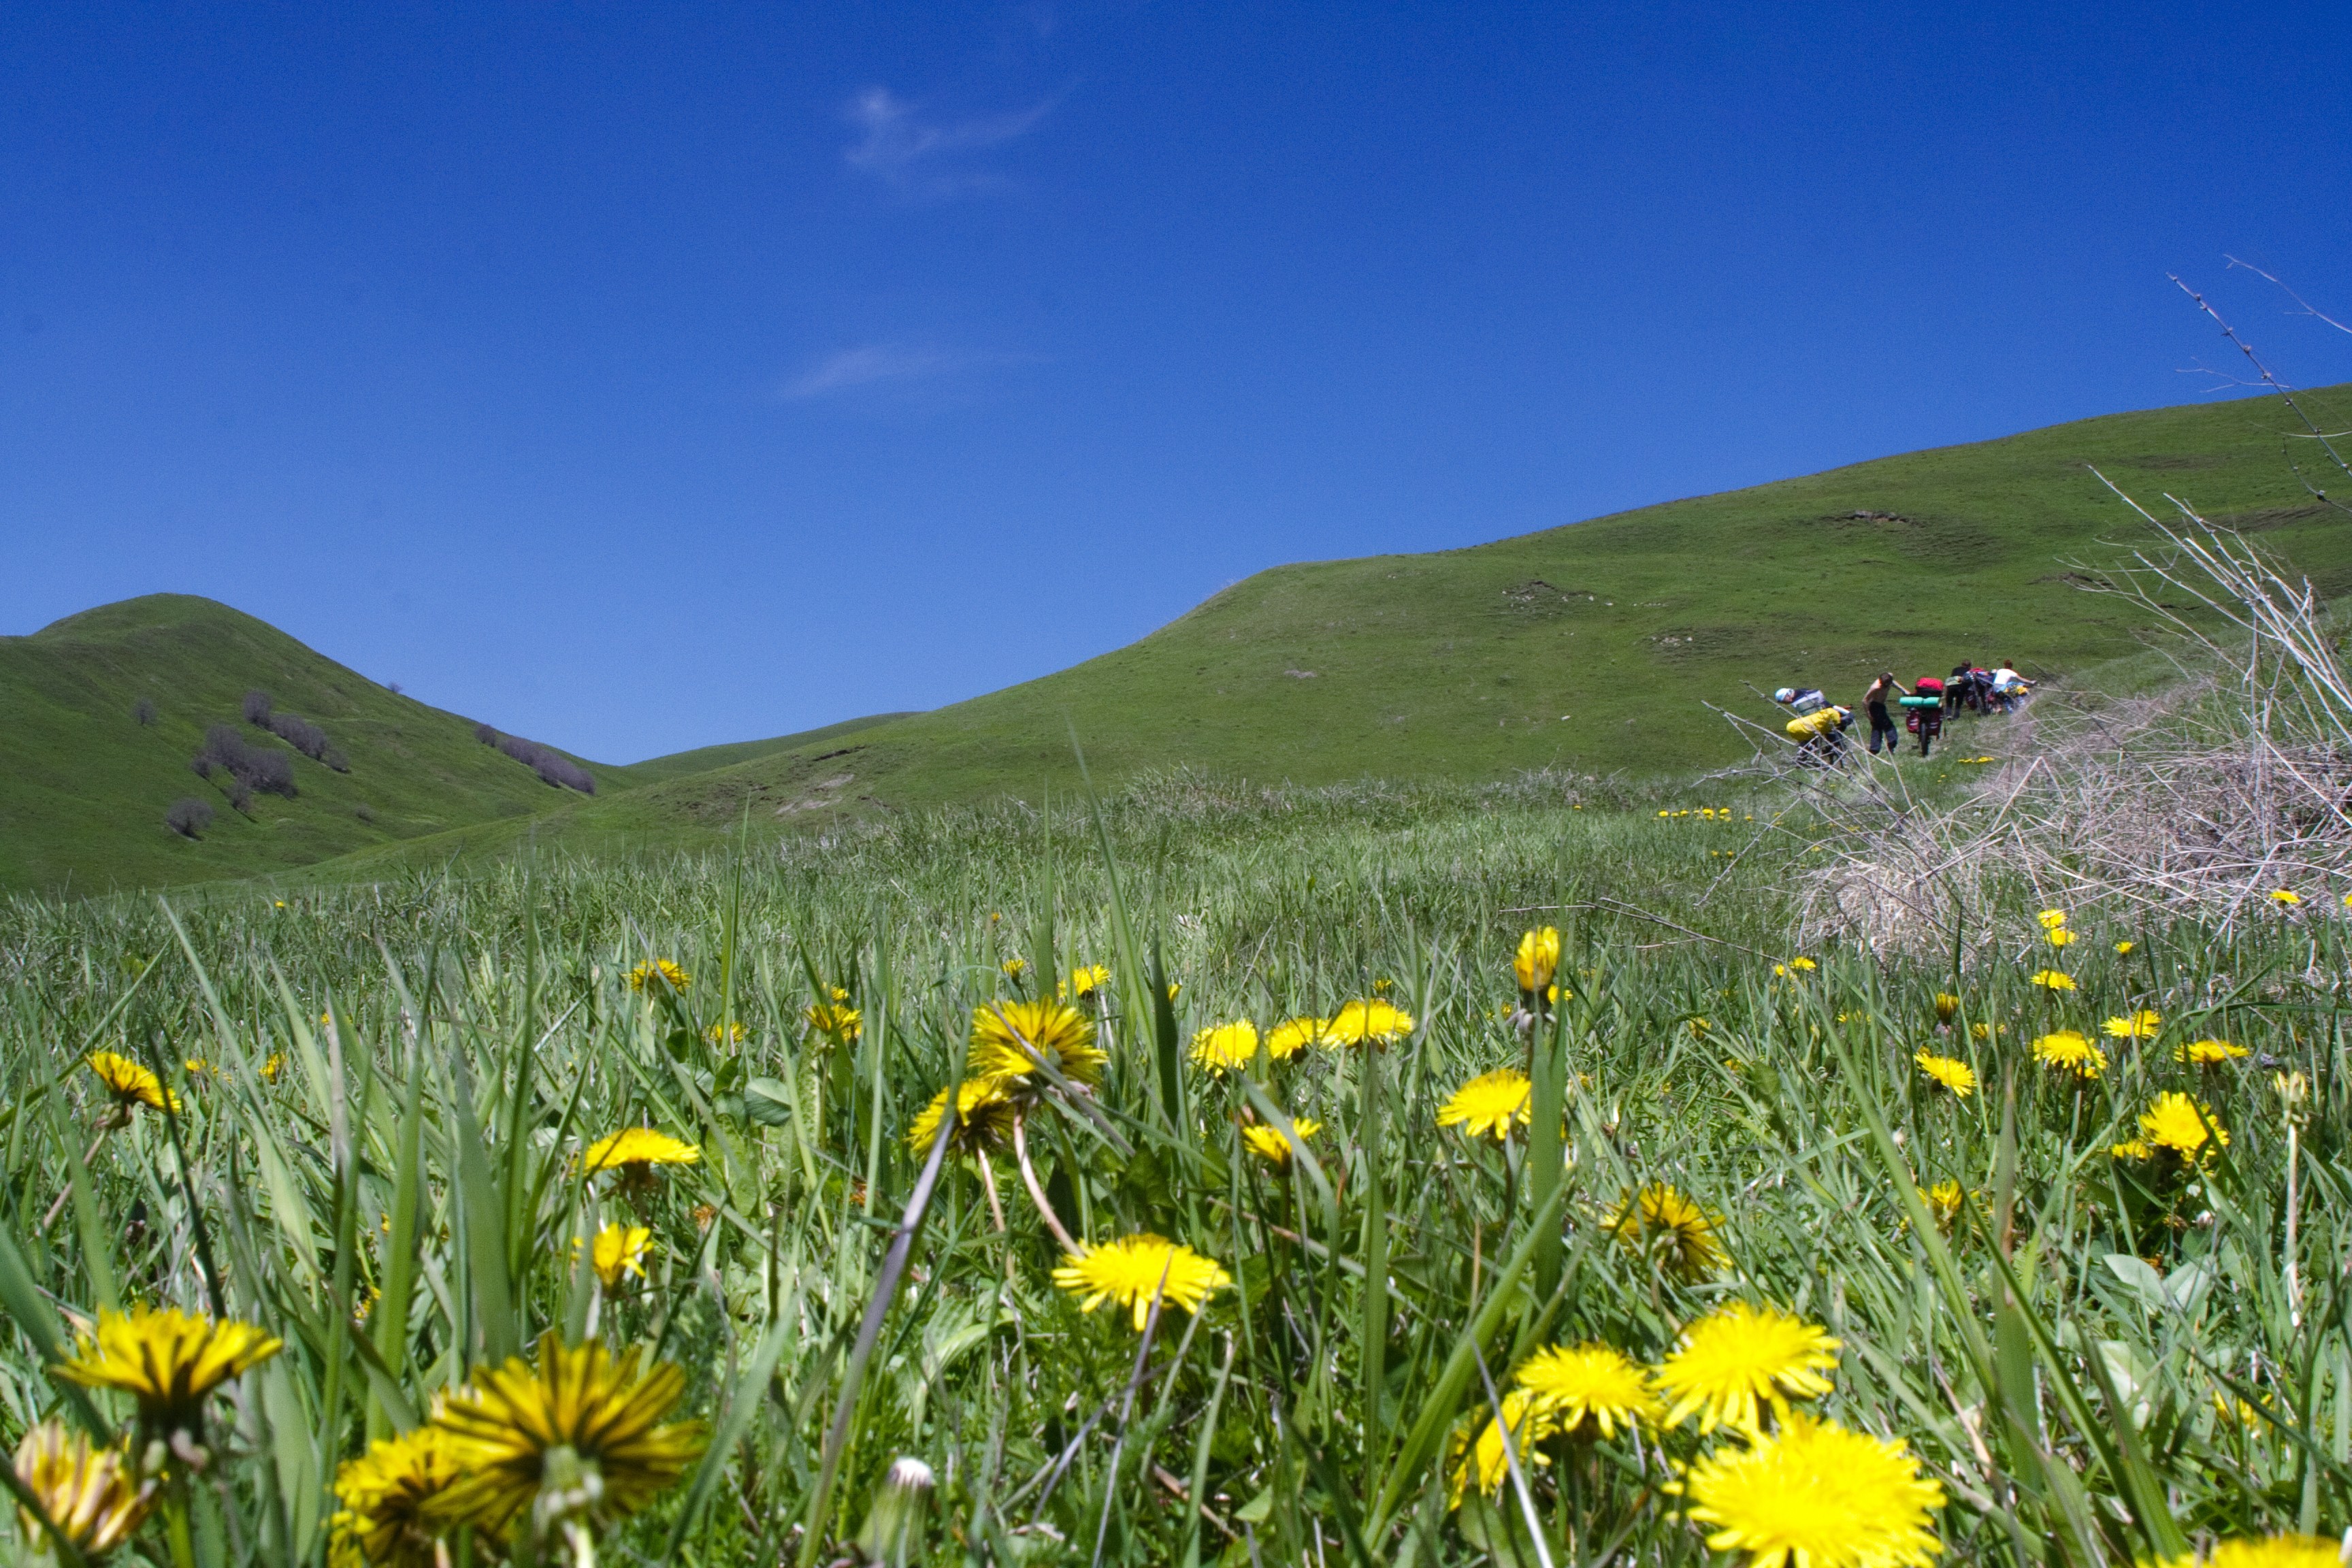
{"type": "Point", "coordinates": [642, 378]}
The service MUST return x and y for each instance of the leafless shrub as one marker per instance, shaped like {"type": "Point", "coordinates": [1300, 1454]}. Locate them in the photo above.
{"type": "Point", "coordinates": [552, 765]}
{"type": "Point", "coordinates": [188, 817]}
{"type": "Point", "coordinates": [300, 733]}
{"type": "Point", "coordinates": [364, 811]}
{"type": "Point", "coordinates": [144, 710]}
{"type": "Point", "coordinates": [254, 767]}
{"type": "Point", "coordinates": [257, 707]}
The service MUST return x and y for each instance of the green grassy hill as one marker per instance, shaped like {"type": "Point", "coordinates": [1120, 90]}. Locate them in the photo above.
{"type": "Point", "coordinates": [1588, 647]}
{"type": "Point", "coordinates": [83, 796]}
{"type": "Point", "coordinates": [703, 759]}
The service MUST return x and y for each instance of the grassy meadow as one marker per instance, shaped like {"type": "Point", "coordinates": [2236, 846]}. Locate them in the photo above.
{"type": "Point", "coordinates": [1588, 647]}
{"type": "Point", "coordinates": [1728, 1261]}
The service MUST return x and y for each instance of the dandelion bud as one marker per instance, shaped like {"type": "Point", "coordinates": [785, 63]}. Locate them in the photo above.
{"type": "Point", "coordinates": [2295, 1095]}
{"type": "Point", "coordinates": [892, 1532]}
{"type": "Point", "coordinates": [1537, 957]}
{"type": "Point", "coordinates": [1946, 1005]}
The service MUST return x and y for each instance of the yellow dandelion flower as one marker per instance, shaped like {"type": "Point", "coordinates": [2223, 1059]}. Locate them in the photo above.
{"type": "Point", "coordinates": [1134, 1269]}
{"type": "Point", "coordinates": [2124, 948]}
{"type": "Point", "coordinates": [1732, 1365]}
{"type": "Point", "coordinates": [273, 1067]}
{"type": "Point", "coordinates": [1950, 1071]}
{"type": "Point", "coordinates": [2231, 1408]}
{"type": "Point", "coordinates": [386, 1494]}
{"type": "Point", "coordinates": [1488, 1104]}
{"type": "Point", "coordinates": [131, 1084]}
{"type": "Point", "coordinates": [733, 1032]}
{"type": "Point", "coordinates": [1530, 1424]}
{"type": "Point", "coordinates": [1537, 957]}
{"type": "Point", "coordinates": [1795, 966]}
{"type": "Point", "coordinates": [1226, 1047]}
{"type": "Point", "coordinates": [1009, 1038]}
{"type": "Point", "coordinates": [1659, 1222]}
{"type": "Point", "coordinates": [2140, 1026]}
{"type": "Point", "coordinates": [2285, 896]}
{"type": "Point", "coordinates": [1373, 1021]}
{"type": "Point", "coordinates": [620, 1251]}
{"type": "Point", "coordinates": [2208, 1053]}
{"type": "Point", "coordinates": [1814, 1495]}
{"type": "Point", "coordinates": [660, 974]}
{"type": "Point", "coordinates": [2061, 937]}
{"type": "Point", "coordinates": [1288, 1039]}
{"type": "Point", "coordinates": [1699, 1027]}
{"type": "Point", "coordinates": [1014, 968]}
{"type": "Point", "coordinates": [2053, 979]}
{"type": "Point", "coordinates": [1943, 1202]}
{"type": "Point", "coordinates": [1087, 979]}
{"type": "Point", "coordinates": [841, 1024]}
{"type": "Point", "coordinates": [1269, 1144]}
{"type": "Point", "coordinates": [2271, 1552]}
{"type": "Point", "coordinates": [90, 1494]}
{"type": "Point", "coordinates": [1590, 1388]}
{"type": "Point", "coordinates": [2052, 920]}
{"type": "Point", "coordinates": [2183, 1125]}
{"type": "Point", "coordinates": [984, 1118]}
{"type": "Point", "coordinates": [574, 1431]}
{"type": "Point", "coordinates": [1947, 1006]}
{"type": "Point", "coordinates": [2132, 1148]}
{"type": "Point", "coordinates": [638, 1147]}
{"type": "Point", "coordinates": [167, 1361]}
{"type": "Point", "coordinates": [2070, 1050]}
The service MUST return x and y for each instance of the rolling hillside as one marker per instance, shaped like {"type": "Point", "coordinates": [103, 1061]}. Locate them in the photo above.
{"type": "Point", "coordinates": [1587, 646]}
{"type": "Point", "coordinates": [87, 784]}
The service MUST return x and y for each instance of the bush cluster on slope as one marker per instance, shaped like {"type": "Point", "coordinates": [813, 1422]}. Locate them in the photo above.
{"type": "Point", "coordinates": [297, 733]}
{"type": "Point", "coordinates": [248, 767]}
{"type": "Point", "coordinates": [551, 766]}
{"type": "Point", "coordinates": [188, 817]}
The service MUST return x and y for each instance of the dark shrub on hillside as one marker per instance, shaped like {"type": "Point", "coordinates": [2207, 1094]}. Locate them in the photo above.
{"type": "Point", "coordinates": [257, 707]}
{"type": "Point", "coordinates": [337, 761]}
{"type": "Point", "coordinates": [486, 735]}
{"type": "Point", "coordinates": [144, 711]}
{"type": "Point", "coordinates": [254, 768]}
{"type": "Point", "coordinates": [300, 733]}
{"type": "Point", "coordinates": [364, 811]}
{"type": "Point", "coordinates": [188, 817]}
{"type": "Point", "coordinates": [240, 799]}
{"type": "Point", "coordinates": [551, 766]}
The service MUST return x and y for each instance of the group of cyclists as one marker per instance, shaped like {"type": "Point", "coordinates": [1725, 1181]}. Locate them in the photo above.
{"type": "Point", "coordinates": [1819, 726]}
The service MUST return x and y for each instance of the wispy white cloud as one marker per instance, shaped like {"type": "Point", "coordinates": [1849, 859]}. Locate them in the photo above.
{"type": "Point", "coordinates": [872, 364]}
{"type": "Point", "coordinates": [905, 150]}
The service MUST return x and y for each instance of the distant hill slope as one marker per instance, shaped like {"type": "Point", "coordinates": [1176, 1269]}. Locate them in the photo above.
{"type": "Point", "coordinates": [86, 784]}
{"type": "Point", "coordinates": [1588, 647]}
{"type": "Point", "coordinates": [705, 759]}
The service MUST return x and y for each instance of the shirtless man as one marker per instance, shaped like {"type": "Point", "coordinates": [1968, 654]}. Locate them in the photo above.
{"type": "Point", "coordinates": [1882, 690]}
